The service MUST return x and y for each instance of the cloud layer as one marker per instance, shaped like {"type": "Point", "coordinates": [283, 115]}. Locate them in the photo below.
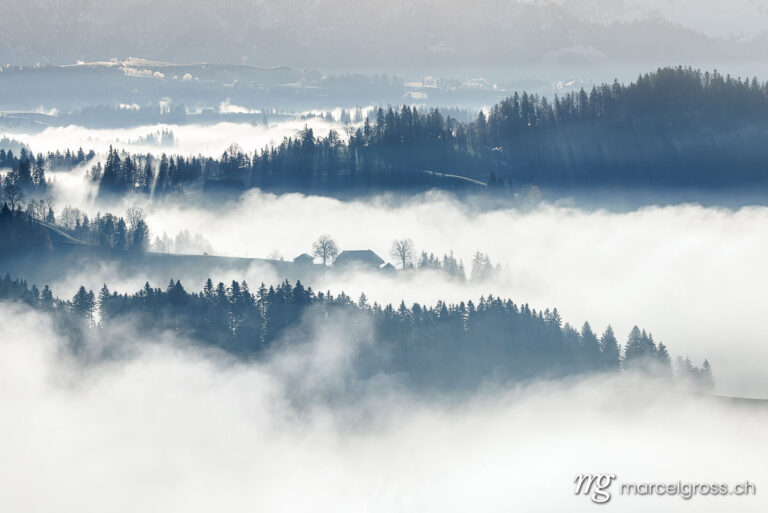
{"type": "Point", "coordinates": [691, 275]}
{"type": "Point", "coordinates": [192, 139]}
{"type": "Point", "coordinates": [171, 428]}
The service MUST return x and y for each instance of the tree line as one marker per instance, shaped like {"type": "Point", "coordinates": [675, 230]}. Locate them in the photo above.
{"type": "Point", "coordinates": [436, 346]}
{"type": "Point", "coordinates": [676, 126]}
{"type": "Point", "coordinates": [32, 228]}
{"type": "Point", "coordinates": [673, 127]}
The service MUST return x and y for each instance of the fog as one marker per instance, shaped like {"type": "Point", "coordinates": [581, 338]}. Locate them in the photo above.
{"type": "Point", "coordinates": [167, 427]}
{"type": "Point", "coordinates": [693, 276]}
{"type": "Point", "coordinates": [193, 139]}
{"type": "Point", "coordinates": [296, 406]}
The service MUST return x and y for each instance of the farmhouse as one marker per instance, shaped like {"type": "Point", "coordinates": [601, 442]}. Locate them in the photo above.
{"type": "Point", "coordinates": [364, 258]}
{"type": "Point", "coordinates": [303, 259]}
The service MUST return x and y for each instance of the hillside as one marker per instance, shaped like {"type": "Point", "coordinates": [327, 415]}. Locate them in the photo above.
{"type": "Point", "coordinates": [45, 250]}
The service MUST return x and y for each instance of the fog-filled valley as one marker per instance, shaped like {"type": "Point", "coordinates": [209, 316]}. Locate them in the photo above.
{"type": "Point", "coordinates": [172, 427]}
{"type": "Point", "coordinates": [673, 130]}
{"type": "Point", "coordinates": [425, 256]}
{"type": "Point", "coordinates": [593, 265]}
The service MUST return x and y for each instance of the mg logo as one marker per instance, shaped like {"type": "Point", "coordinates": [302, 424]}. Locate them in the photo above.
{"type": "Point", "coordinates": [595, 486]}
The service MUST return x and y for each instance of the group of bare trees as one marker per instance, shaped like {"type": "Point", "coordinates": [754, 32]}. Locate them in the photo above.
{"type": "Point", "coordinates": [130, 232]}
{"type": "Point", "coordinates": [12, 194]}
{"type": "Point", "coordinates": [42, 209]}
{"type": "Point", "coordinates": [403, 250]}
{"type": "Point", "coordinates": [184, 243]}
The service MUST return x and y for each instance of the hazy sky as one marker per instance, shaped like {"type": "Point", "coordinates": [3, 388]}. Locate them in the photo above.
{"type": "Point", "coordinates": [349, 34]}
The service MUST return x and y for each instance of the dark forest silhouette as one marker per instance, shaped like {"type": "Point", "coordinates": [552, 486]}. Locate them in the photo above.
{"type": "Point", "coordinates": [442, 346]}
{"type": "Point", "coordinates": [676, 127]}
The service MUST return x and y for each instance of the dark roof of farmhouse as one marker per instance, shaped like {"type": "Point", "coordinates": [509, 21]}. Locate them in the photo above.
{"type": "Point", "coordinates": [359, 256]}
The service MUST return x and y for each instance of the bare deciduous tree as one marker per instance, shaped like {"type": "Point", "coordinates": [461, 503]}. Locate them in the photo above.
{"type": "Point", "coordinates": [133, 216]}
{"type": "Point", "coordinates": [50, 202]}
{"type": "Point", "coordinates": [70, 217]}
{"type": "Point", "coordinates": [403, 250]}
{"type": "Point", "coordinates": [275, 255]}
{"type": "Point", "coordinates": [325, 248]}
{"type": "Point", "coordinates": [37, 209]}
{"type": "Point", "coordinates": [12, 192]}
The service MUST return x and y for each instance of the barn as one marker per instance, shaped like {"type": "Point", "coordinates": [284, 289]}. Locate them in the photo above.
{"type": "Point", "coordinates": [364, 258]}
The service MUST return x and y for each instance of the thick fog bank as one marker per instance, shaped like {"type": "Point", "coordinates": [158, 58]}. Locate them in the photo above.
{"type": "Point", "coordinates": [693, 276]}
{"type": "Point", "coordinates": [169, 428]}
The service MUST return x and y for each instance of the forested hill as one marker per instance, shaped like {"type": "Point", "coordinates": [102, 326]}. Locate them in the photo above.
{"type": "Point", "coordinates": [674, 128]}
{"type": "Point", "coordinates": [445, 346]}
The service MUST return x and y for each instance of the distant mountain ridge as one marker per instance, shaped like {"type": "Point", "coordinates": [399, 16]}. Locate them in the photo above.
{"type": "Point", "coordinates": [740, 19]}
{"type": "Point", "coordinates": [345, 34]}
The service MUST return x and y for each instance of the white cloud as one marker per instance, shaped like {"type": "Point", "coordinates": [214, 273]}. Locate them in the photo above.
{"type": "Point", "coordinates": [170, 428]}
{"type": "Point", "coordinates": [208, 140]}
{"type": "Point", "coordinates": [226, 107]}
{"type": "Point", "coordinates": [691, 275]}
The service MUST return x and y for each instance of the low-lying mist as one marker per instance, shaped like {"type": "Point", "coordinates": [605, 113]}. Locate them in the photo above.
{"type": "Point", "coordinates": [691, 275]}
{"type": "Point", "coordinates": [192, 139]}
{"type": "Point", "coordinates": [170, 427]}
